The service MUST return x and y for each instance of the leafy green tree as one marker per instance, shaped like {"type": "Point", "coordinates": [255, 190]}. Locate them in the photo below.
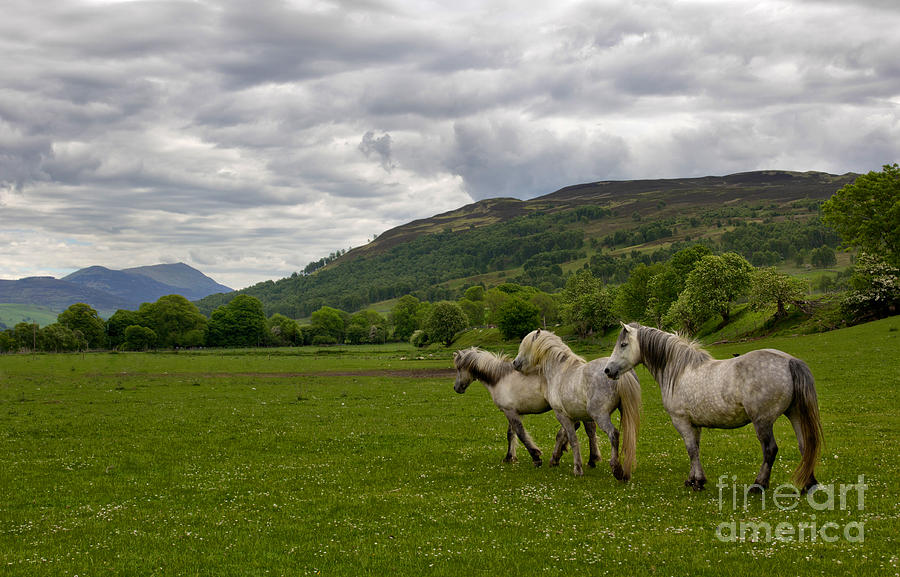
{"type": "Point", "coordinates": [445, 320]}
{"type": "Point", "coordinates": [633, 297]}
{"type": "Point", "coordinates": [366, 326]}
{"type": "Point", "coordinates": [474, 311]}
{"type": "Point", "coordinates": [667, 283]}
{"type": "Point", "coordinates": [475, 293]}
{"type": "Point", "coordinates": [687, 313]}
{"type": "Point", "coordinates": [83, 319]}
{"type": "Point", "coordinates": [822, 257]}
{"type": "Point", "coordinates": [176, 321]}
{"type": "Point", "coordinates": [404, 317]}
{"type": "Point", "coordinates": [25, 335]}
{"type": "Point", "coordinates": [330, 323]}
{"type": "Point", "coordinates": [517, 318]}
{"type": "Point", "coordinates": [771, 287]}
{"type": "Point", "coordinates": [138, 338]}
{"type": "Point", "coordinates": [716, 282]}
{"type": "Point", "coordinates": [875, 289]}
{"type": "Point", "coordinates": [240, 323]}
{"type": "Point", "coordinates": [7, 341]}
{"type": "Point", "coordinates": [548, 307]}
{"type": "Point", "coordinates": [866, 213]}
{"type": "Point", "coordinates": [59, 338]}
{"type": "Point", "coordinates": [283, 330]}
{"type": "Point", "coordinates": [586, 304]}
{"type": "Point", "coordinates": [116, 325]}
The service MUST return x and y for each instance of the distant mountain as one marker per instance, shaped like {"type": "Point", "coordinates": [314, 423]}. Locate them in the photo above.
{"type": "Point", "coordinates": [57, 294]}
{"type": "Point", "coordinates": [148, 283]}
{"type": "Point", "coordinates": [108, 290]}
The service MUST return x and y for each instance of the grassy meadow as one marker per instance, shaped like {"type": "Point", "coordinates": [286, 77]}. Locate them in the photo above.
{"type": "Point", "coordinates": [362, 460]}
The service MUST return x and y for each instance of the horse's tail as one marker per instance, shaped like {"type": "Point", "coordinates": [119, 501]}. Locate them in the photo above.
{"type": "Point", "coordinates": [805, 409]}
{"type": "Point", "coordinates": [630, 421]}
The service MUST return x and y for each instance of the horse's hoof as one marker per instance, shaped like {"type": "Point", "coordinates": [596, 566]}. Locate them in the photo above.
{"type": "Point", "coordinates": [593, 463]}
{"type": "Point", "coordinates": [578, 471]}
{"type": "Point", "coordinates": [617, 471]}
{"type": "Point", "coordinates": [510, 460]}
{"type": "Point", "coordinates": [537, 462]}
{"type": "Point", "coordinates": [626, 478]}
{"type": "Point", "coordinates": [758, 489]}
{"type": "Point", "coordinates": [554, 463]}
{"type": "Point", "coordinates": [695, 484]}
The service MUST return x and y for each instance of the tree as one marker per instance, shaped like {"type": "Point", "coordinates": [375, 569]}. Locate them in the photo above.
{"type": "Point", "coordinates": [715, 282]}
{"type": "Point", "coordinates": [517, 318]}
{"type": "Point", "coordinates": [138, 338]}
{"type": "Point", "coordinates": [116, 325]}
{"type": "Point", "coordinates": [822, 257]}
{"type": "Point", "coordinates": [548, 307]}
{"type": "Point", "coordinates": [283, 331]}
{"type": "Point", "coordinates": [176, 321]}
{"type": "Point", "coordinates": [366, 326]}
{"type": "Point", "coordinates": [475, 293]}
{"type": "Point", "coordinates": [771, 287]}
{"type": "Point", "coordinates": [240, 323]}
{"type": "Point", "coordinates": [59, 338]}
{"type": "Point", "coordinates": [586, 304]}
{"type": "Point", "coordinates": [404, 317]}
{"type": "Point", "coordinates": [330, 323]}
{"type": "Point", "coordinates": [633, 297]}
{"type": "Point", "coordinates": [866, 213]}
{"type": "Point", "coordinates": [82, 318]}
{"type": "Point", "coordinates": [876, 289]}
{"type": "Point", "coordinates": [443, 322]}
{"type": "Point", "coordinates": [474, 311]}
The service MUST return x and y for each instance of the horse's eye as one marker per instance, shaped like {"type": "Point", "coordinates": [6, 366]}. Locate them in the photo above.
{"type": "Point", "coordinates": [624, 344]}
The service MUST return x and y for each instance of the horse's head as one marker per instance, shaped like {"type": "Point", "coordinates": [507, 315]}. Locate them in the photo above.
{"type": "Point", "coordinates": [464, 377]}
{"type": "Point", "coordinates": [626, 353]}
{"type": "Point", "coordinates": [524, 361]}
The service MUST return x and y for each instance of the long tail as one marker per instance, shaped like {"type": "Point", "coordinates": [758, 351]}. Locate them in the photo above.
{"type": "Point", "coordinates": [630, 422]}
{"type": "Point", "coordinates": [806, 407]}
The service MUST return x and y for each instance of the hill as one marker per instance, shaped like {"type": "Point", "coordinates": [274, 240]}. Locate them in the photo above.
{"type": "Point", "coordinates": [535, 242]}
{"type": "Point", "coordinates": [108, 290]}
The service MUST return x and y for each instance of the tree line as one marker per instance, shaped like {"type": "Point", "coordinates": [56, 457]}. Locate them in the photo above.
{"type": "Point", "coordinates": [678, 288]}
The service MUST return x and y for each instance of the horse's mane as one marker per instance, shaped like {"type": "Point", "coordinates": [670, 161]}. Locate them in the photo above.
{"type": "Point", "coordinates": [545, 346]}
{"type": "Point", "coordinates": [485, 366]}
{"type": "Point", "coordinates": [668, 355]}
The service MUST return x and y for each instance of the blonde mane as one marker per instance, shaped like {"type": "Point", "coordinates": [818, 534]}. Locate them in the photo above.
{"type": "Point", "coordinates": [484, 366]}
{"type": "Point", "coordinates": [547, 347]}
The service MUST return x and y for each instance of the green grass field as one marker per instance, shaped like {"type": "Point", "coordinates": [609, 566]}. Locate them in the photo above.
{"type": "Point", "coordinates": [364, 461]}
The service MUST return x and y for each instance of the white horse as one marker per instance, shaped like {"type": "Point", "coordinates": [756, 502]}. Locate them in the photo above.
{"type": "Point", "coordinates": [580, 391]}
{"type": "Point", "coordinates": [515, 394]}
{"type": "Point", "coordinates": [698, 391]}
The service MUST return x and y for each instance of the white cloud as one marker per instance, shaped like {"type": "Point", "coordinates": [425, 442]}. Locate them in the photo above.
{"type": "Point", "coordinates": [248, 139]}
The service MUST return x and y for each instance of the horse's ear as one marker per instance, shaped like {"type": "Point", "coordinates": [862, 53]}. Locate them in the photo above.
{"type": "Point", "coordinates": [627, 328]}
{"type": "Point", "coordinates": [536, 333]}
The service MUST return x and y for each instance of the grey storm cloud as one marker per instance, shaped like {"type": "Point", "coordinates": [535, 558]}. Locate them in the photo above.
{"type": "Point", "coordinates": [380, 147]}
{"type": "Point", "coordinates": [253, 137]}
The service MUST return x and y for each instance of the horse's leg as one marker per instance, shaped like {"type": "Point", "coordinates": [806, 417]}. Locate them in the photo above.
{"type": "Point", "coordinates": [515, 423]}
{"type": "Point", "coordinates": [691, 435]}
{"type": "Point", "coordinates": [562, 439]}
{"type": "Point", "coordinates": [569, 427]}
{"type": "Point", "coordinates": [605, 423]}
{"type": "Point", "coordinates": [770, 450]}
{"type": "Point", "coordinates": [590, 427]}
{"type": "Point", "coordinates": [511, 444]}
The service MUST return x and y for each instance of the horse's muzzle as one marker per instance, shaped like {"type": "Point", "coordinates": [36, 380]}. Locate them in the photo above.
{"type": "Point", "coordinates": [612, 373]}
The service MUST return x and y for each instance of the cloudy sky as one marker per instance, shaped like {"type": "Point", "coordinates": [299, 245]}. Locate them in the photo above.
{"type": "Point", "coordinates": [247, 139]}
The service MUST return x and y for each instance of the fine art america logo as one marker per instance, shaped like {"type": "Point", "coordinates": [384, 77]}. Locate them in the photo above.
{"type": "Point", "coordinates": [785, 498]}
